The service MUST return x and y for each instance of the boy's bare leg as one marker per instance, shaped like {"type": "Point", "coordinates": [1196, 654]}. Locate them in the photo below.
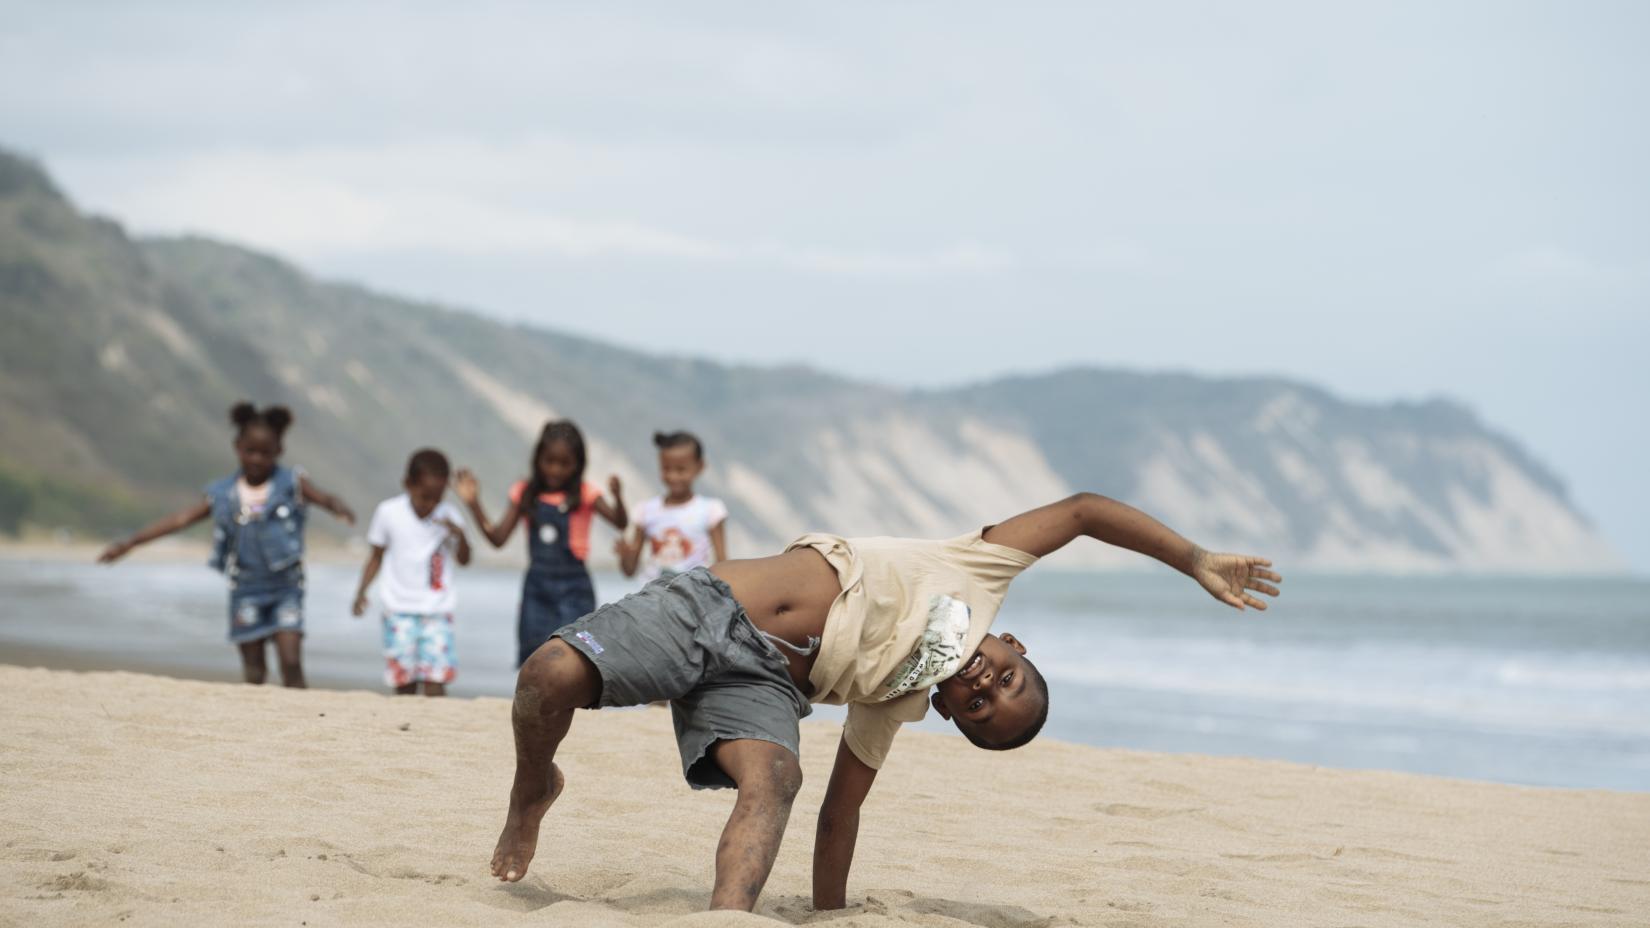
{"type": "Point", "coordinates": [555, 681]}
{"type": "Point", "coordinates": [768, 777]}
{"type": "Point", "coordinates": [435, 689]}
{"type": "Point", "coordinates": [253, 668]}
{"type": "Point", "coordinates": [289, 647]}
{"type": "Point", "coordinates": [407, 689]}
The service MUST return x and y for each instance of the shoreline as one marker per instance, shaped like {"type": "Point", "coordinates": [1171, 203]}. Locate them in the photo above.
{"type": "Point", "coordinates": [352, 552]}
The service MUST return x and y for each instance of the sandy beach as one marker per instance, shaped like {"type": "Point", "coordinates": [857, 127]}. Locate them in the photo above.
{"type": "Point", "coordinates": [143, 800]}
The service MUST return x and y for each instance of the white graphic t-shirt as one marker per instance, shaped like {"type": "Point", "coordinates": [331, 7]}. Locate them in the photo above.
{"type": "Point", "coordinates": [417, 575]}
{"type": "Point", "coordinates": [910, 612]}
{"type": "Point", "coordinates": [678, 537]}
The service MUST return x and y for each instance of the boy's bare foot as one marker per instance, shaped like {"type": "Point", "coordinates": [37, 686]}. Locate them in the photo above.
{"type": "Point", "coordinates": [520, 836]}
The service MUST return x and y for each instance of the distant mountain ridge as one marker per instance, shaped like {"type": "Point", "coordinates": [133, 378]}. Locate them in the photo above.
{"type": "Point", "coordinates": [122, 355]}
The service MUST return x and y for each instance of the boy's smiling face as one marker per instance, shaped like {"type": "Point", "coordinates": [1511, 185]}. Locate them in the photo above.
{"type": "Point", "coordinates": [996, 696]}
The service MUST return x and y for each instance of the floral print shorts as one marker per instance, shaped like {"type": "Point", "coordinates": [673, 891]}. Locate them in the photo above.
{"type": "Point", "coordinates": [418, 648]}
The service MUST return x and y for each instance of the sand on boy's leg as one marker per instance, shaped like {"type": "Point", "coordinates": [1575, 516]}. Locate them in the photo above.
{"type": "Point", "coordinates": [554, 681]}
{"type": "Point", "coordinates": [768, 776]}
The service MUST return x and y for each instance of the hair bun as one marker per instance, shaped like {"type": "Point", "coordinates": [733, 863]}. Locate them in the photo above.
{"type": "Point", "coordinates": [278, 417]}
{"type": "Point", "coordinates": [241, 413]}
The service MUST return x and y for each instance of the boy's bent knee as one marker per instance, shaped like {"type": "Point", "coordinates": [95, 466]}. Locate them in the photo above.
{"type": "Point", "coordinates": [769, 771]}
{"type": "Point", "coordinates": [787, 777]}
{"type": "Point", "coordinates": [558, 677]}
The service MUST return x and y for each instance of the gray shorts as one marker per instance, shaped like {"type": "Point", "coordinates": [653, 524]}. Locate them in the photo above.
{"type": "Point", "coordinates": [686, 639]}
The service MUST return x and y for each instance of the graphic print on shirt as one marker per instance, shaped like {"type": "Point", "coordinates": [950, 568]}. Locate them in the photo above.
{"type": "Point", "coordinates": [939, 652]}
{"type": "Point", "coordinates": [437, 560]}
{"type": "Point", "coordinates": [672, 547]}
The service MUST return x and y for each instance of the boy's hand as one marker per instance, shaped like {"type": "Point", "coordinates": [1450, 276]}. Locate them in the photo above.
{"type": "Point", "coordinates": [614, 486]}
{"type": "Point", "coordinates": [453, 528]}
{"type": "Point", "coordinates": [1229, 577]}
{"type": "Point", "coordinates": [115, 551]}
{"type": "Point", "coordinates": [360, 605]}
{"type": "Point", "coordinates": [345, 513]}
{"type": "Point", "coordinates": [466, 486]}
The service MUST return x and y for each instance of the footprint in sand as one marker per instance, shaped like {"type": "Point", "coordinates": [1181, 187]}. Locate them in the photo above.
{"type": "Point", "coordinates": [1150, 813]}
{"type": "Point", "coordinates": [78, 881]}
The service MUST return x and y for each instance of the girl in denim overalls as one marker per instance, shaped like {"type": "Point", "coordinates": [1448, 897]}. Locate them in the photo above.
{"type": "Point", "coordinates": [557, 506]}
{"type": "Point", "coordinates": [257, 541]}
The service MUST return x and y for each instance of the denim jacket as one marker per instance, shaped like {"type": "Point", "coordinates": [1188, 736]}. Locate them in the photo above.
{"type": "Point", "coordinates": [264, 545]}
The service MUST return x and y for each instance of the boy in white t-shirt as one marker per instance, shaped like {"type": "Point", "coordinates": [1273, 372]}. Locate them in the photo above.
{"type": "Point", "coordinates": [681, 530]}
{"type": "Point", "coordinates": [423, 536]}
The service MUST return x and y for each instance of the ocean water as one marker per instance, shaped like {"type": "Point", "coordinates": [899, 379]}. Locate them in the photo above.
{"type": "Point", "coordinates": [1533, 681]}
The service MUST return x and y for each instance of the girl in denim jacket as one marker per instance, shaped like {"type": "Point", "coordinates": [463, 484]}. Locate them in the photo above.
{"type": "Point", "coordinates": [257, 541]}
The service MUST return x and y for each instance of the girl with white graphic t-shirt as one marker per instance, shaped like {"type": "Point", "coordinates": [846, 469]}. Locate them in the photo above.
{"type": "Point", "coordinates": [681, 530]}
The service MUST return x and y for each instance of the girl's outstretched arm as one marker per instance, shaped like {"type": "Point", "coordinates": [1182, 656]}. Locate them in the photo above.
{"type": "Point", "coordinates": [614, 512]}
{"type": "Point", "coordinates": [468, 489]}
{"type": "Point", "coordinates": [319, 497]}
{"type": "Point", "coordinates": [719, 542]}
{"type": "Point", "coordinates": [1227, 577]}
{"type": "Point", "coordinates": [165, 525]}
{"type": "Point", "coordinates": [629, 552]}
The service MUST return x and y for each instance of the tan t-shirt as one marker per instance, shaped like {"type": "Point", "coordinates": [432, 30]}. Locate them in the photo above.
{"type": "Point", "coordinates": [910, 612]}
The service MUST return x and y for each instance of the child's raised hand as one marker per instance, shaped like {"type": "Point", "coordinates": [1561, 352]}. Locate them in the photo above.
{"type": "Point", "coordinates": [1229, 577]}
{"type": "Point", "coordinates": [466, 486]}
{"type": "Point", "coordinates": [614, 486]}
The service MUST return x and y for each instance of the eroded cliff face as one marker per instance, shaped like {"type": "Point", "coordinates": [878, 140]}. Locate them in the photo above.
{"type": "Point", "coordinates": [122, 355]}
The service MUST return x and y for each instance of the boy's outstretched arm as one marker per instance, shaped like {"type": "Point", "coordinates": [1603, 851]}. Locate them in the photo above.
{"type": "Point", "coordinates": [165, 525]}
{"type": "Point", "coordinates": [1227, 577]}
{"type": "Point", "coordinates": [369, 570]}
{"type": "Point", "coordinates": [319, 497]}
{"type": "Point", "coordinates": [461, 542]}
{"type": "Point", "coordinates": [838, 827]}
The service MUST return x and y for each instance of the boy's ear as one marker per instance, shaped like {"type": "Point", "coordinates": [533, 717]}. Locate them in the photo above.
{"type": "Point", "coordinates": [939, 705]}
{"type": "Point", "coordinates": [1012, 642]}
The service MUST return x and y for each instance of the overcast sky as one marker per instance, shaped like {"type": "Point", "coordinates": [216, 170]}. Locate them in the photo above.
{"type": "Point", "coordinates": [1389, 200]}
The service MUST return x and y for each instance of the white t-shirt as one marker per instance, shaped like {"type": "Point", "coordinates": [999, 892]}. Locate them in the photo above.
{"type": "Point", "coordinates": [417, 574]}
{"type": "Point", "coordinates": [678, 537]}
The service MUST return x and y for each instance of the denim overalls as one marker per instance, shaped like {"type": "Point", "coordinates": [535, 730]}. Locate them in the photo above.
{"type": "Point", "coordinates": [261, 555]}
{"type": "Point", "coordinates": [557, 588]}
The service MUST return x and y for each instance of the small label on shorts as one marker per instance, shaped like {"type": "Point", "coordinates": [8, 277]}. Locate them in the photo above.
{"type": "Point", "coordinates": [590, 640]}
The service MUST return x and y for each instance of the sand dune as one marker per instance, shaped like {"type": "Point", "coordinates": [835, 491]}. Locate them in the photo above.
{"type": "Point", "coordinates": [137, 800]}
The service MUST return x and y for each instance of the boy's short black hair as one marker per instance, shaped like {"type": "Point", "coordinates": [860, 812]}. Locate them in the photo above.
{"type": "Point", "coordinates": [664, 440]}
{"type": "Point", "coordinates": [1030, 731]}
{"type": "Point", "coordinates": [428, 461]}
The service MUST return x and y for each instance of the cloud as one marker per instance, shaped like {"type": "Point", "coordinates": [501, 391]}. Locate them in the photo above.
{"type": "Point", "coordinates": [464, 199]}
{"type": "Point", "coordinates": [1558, 265]}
